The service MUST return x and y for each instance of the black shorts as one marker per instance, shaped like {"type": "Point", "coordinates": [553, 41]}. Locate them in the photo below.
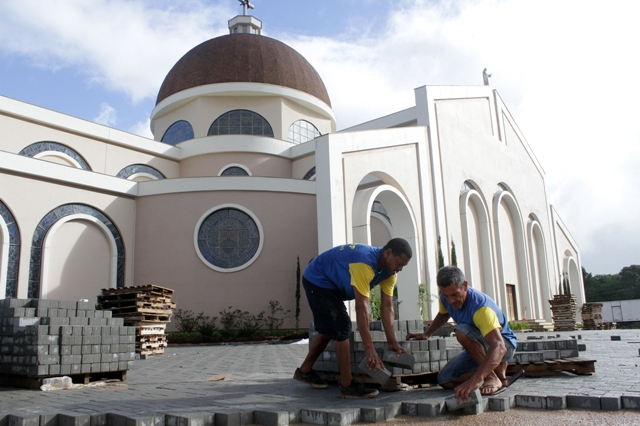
{"type": "Point", "coordinates": [330, 315]}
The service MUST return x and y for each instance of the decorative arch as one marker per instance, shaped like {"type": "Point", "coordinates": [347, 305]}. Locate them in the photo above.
{"type": "Point", "coordinates": [134, 171]}
{"type": "Point", "coordinates": [56, 218]}
{"type": "Point", "coordinates": [404, 226]}
{"type": "Point", "coordinates": [9, 251]}
{"type": "Point", "coordinates": [240, 122]}
{"type": "Point", "coordinates": [539, 267]}
{"type": "Point", "coordinates": [524, 302]}
{"type": "Point", "coordinates": [42, 149]}
{"type": "Point", "coordinates": [570, 268]}
{"type": "Point", "coordinates": [179, 131]}
{"type": "Point", "coordinates": [476, 231]}
{"type": "Point", "coordinates": [234, 170]}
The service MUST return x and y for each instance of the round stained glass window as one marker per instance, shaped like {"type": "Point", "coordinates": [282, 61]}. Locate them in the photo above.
{"type": "Point", "coordinates": [228, 239]}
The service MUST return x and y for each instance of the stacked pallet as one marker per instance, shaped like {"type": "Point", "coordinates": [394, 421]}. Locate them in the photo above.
{"type": "Point", "coordinates": [148, 308]}
{"type": "Point", "coordinates": [563, 310]}
{"type": "Point", "coordinates": [592, 316]}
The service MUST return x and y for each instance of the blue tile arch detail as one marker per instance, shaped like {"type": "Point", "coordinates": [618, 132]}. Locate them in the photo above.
{"type": "Point", "coordinates": [139, 168]}
{"type": "Point", "coordinates": [35, 263]}
{"type": "Point", "coordinates": [14, 250]}
{"type": "Point", "coordinates": [38, 147]}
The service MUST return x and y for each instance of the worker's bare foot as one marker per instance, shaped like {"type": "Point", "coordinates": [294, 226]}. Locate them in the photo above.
{"type": "Point", "coordinates": [491, 386]}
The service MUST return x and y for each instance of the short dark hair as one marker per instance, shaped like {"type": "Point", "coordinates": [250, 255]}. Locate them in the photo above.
{"type": "Point", "coordinates": [399, 246]}
{"type": "Point", "coordinates": [450, 275]}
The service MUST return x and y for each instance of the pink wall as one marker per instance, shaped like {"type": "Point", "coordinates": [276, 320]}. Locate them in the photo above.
{"type": "Point", "coordinates": [165, 254]}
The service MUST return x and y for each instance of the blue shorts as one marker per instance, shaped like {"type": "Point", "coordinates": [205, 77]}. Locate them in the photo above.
{"type": "Point", "coordinates": [330, 315]}
{"type": "Point", "coordinates": [463, 363]}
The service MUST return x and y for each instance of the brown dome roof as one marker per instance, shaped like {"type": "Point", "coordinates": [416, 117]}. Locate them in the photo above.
{"type": "Point", "coordinates": [236, 58]}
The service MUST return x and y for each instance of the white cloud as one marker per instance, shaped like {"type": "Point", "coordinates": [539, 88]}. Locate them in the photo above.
{"type": "Point", "coordinates": [107, 115]}
{"type": "Point", "coordinates": [142, 128]}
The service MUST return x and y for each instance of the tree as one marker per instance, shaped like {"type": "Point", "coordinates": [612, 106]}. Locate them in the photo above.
{"type": "Point", "coordinates": [454, 258]}
{"type": "Point", "coordinates": [440, 256]}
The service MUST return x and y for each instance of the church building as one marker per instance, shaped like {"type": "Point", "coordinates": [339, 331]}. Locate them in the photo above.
{"type": "Point", "coordinates": [246, 176]}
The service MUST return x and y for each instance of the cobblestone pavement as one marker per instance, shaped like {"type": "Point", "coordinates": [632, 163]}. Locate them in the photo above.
{"type": "Point", "coordinates": [252, 383]}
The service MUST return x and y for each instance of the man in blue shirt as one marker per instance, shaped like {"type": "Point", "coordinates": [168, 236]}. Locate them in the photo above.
{"type": "Point", "coordinates": [349, 272]}
{"type": "Point", "coordinates": [482, 330]}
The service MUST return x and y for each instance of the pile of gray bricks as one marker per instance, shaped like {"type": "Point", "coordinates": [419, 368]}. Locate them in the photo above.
{"type": "Point", "coordinates": [429, 355]}
{"type": "Point", "coordinates": [539, 350]}
{"type": "Point", "coordinates": [40, 337]}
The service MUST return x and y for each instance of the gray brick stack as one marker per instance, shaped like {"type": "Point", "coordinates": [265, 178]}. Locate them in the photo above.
{"type": "Point", "coordinates": [540, 350]}
{"type": "Point", "coordinates": [40, 337]}
{"type": "Point", "coordinates": [429, 355]}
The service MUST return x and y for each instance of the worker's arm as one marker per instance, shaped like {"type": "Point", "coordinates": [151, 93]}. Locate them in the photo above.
{"type": "Point", "coordinates": [388, 316]}
{"type": "Point", "coordinates": [362, 318]}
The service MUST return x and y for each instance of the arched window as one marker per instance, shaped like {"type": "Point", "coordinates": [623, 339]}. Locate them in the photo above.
{"type": "Point", "coordinates": [42, 149]}
{"type": "Point", "coordinates": [234, 171]}
{"type": "Point", "coordinates": [302, 131]}
{"type": "Point", "coordinates": [178, 132]}
{"type": "Point", "coordinates": [240, 122]}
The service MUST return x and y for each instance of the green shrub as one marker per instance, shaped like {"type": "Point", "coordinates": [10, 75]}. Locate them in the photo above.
{"type": "Point", "coordinates": [277, 317]}
{"type": "Point", "coordinates": [187, 321]}
{"type": "Point", "coordinates": [518, 325]}
{"type": "Point", "coordinates": [207, 326]}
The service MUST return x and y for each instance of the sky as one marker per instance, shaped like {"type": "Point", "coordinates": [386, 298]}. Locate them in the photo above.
{"type": "Point", "coordinates": [568, 70]}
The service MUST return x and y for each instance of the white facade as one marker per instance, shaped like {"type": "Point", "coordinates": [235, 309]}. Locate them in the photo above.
{"type": "Point", "coordinates": [103, 208]}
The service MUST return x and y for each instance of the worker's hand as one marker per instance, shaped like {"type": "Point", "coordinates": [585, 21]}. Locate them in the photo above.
{"type": "Point", "coordinates": [373, 360]}
{"type": "Point", "coordinates": [464, 389]}
{"type": "Point", "coordinates": [417, 336]}
{"type": "Point", "coordinates": [396, 347]}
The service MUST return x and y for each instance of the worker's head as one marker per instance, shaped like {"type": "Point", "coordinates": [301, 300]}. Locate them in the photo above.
{"type": "Point", "coordinates": [395, 255]}
{"type": "Point", "coordinates": [452, 285]}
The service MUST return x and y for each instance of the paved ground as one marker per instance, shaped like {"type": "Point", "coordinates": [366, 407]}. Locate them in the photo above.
{"type": "Point", "coordinates": [252, 383]}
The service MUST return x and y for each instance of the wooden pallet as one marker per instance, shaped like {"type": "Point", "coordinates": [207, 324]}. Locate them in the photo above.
{"type": "Point", "coordinates": [148, 289]}
{"type": "Point", "coordinates": [552, 366]}
{"type": "Point", "coordinates": [394, 383]}
{"type": "Point", "coordinates": [34, 382]}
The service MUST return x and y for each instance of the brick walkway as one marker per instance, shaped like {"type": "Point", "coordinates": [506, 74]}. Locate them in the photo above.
{"type": "Point", "coordinates": [242, 384]}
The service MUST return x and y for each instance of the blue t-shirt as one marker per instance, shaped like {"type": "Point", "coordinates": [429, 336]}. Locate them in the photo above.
{"type": "Point", "coordinates": [480, 311]}
{"type": "Point", "coordinates": [350, 266]}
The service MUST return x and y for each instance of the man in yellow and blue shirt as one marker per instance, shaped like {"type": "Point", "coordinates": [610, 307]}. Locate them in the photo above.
{"type": "Point", "coordinates": [483, 331]}
{"type": "Point", "coordinates": [343, 273]}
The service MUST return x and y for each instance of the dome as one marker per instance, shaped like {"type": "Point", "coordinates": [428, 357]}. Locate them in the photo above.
{"type": "Point", "coordinates": [243, 58]}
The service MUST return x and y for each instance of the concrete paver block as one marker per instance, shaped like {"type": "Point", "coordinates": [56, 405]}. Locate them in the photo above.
{"type": "Point", "coordinates": [23, 419]}
{"type": "Point", "coordinates": [381, 376]}
{"type": "Point", "coordinates": [99, 419]}
{"type": "Point", "coordinates": [631, 402]}
{"type": "Point", "coordinates": [583, 401]}
{"type": "Point", "coordinates": [135, 419]}
{"type": "Point", "coordinates": [315, 417]}
{"type": "Point", "coordinates": [74, 419]}
{"type": "Point", "coordinates": [392, 410]}
{"type": "Point", "coordinates": [610, 403]}
{"type": "Point", "coordinates": [372, 415]}
{"type": "Point", "coordinates": [189, 419]}
{"type": "Point", "coordinates": [454, 404]}
{"type": "Point", "coordinates": [274, 418]}
{"type": "Point", "coordinates": [430, 409]}
{"type": "Point", "coordinates": [531, 401]}
{"type": "Point", "coordinates": [500, 403]}
{"type": "Point", "coordinates": [556, 402]}
{"type": "Point", "coordinates": [410, 408]}
{"type": "Point", "coordinates": [347, 416]}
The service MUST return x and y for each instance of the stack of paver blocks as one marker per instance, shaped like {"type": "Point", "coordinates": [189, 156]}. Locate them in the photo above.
{"type": "Point", "coordinates": [40, 337]}
{"type": "Point", "coordinates": [429, 355]}
{"type": "Point", "coordinates": [592, 316]}
{"type": "Point", "coordinates": [563, 309]}
{"type": "Point", "coordinates": [539, 350]}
